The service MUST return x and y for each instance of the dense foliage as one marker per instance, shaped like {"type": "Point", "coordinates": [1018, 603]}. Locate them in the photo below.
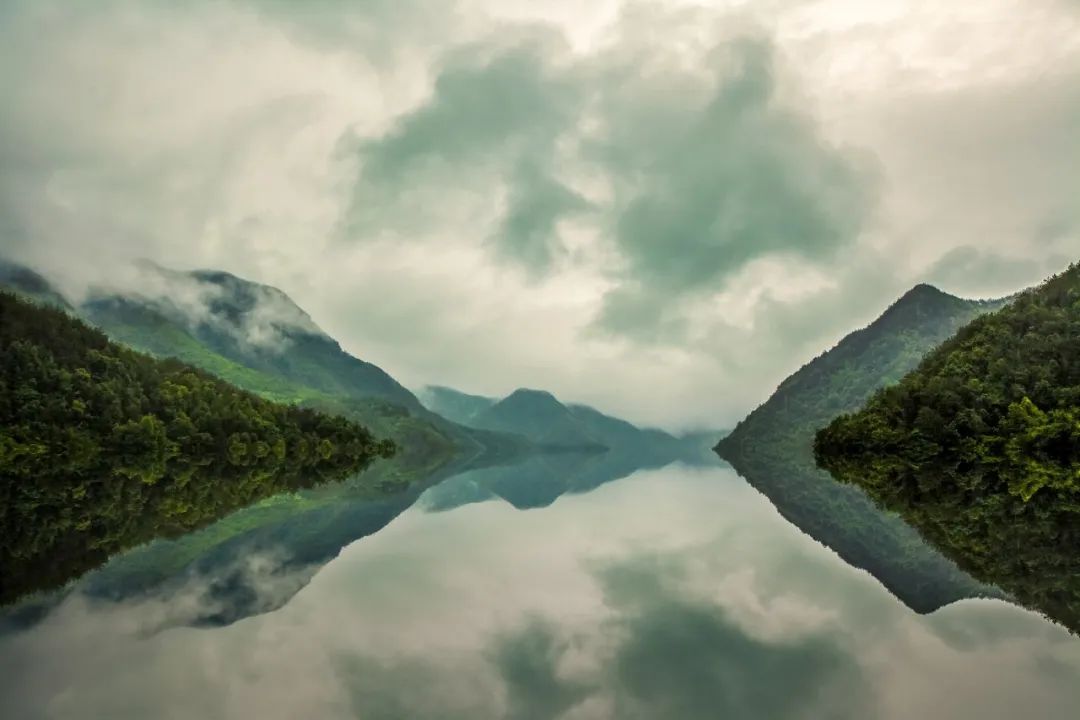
{"type": "Point", "coordinates": [773, 447]}
{"type": "Point", "coordinates": [102, 447]}
{"type": "Point", "coordinates": [979, 447]}
{"type": "Point", "coordinates": [1003, 394]}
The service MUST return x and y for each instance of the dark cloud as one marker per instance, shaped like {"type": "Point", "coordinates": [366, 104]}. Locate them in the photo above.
{"type": "Point", "coordinates": [707, 169]}
{"type": "Point", "coordinates": [968, 269]}
{"type": "Point", "coordinates": [742, 178]}
{"type": "Point", "coordinates": [527, 661]}
{"type": "Point", "coordinates": [489, 127]}
{"type": "Point", "coordinates": [527, 232]}
{"type": "Point", "coordinates": [685, 658]}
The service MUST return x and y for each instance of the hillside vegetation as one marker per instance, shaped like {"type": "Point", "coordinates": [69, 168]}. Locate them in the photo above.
{"type": "Point", "coordinates": [773, 447]}
{"type": "Point", "coordinates": [979, 447]}
{"type": "Point", "coordinates": [102, 447]}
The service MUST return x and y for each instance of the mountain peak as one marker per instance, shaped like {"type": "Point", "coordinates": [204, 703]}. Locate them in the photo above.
{"type": "Point", "coordinates": [531, 395]}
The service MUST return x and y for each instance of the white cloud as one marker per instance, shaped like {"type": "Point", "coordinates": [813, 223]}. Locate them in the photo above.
{"type": "Point", "coordinates": [213, 136]}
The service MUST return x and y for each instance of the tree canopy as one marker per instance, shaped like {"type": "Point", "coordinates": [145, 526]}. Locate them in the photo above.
{"type": "Point", "coordinates": [979, 447]}
{"type": "Point", "coordinates": [102, 447]}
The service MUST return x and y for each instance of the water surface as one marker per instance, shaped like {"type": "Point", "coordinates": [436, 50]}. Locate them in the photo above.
{"type": "Point", "coordinates": [670, 593]}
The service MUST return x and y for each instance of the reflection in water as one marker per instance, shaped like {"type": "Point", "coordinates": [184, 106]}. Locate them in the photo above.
{"type": "Point", "coordinates": [1025, 546]}
{"type": "Point", "coordinates": [293, 535]}
{"type": "Point", "coordinates": [844, 519]}
{"type": "Point", "coordinates": [675, 593]}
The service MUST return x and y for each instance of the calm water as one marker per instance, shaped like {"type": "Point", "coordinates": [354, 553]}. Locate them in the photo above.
{"type": "Point", "coordinates": [674, 593]}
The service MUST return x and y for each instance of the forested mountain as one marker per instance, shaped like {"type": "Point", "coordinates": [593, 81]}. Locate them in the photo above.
{"type": "Point", "coordinates": [424, 442]}
{"type": "Point", "coordinates": [773, 447]}
{"type": "Point", "coordinates": [979, 447]}
{"type": "Point", "coordinates": [255, 337]}
{"type": "Point", "coordinates": [30, 285]}
{"type": "Point", "coordinates": [102, 448]}
{"type": "Point", "coordinates": [254, 325]}
{"type": "Point", "coordinates": [539, 417]}
{"type": "Point", "coordinates": [302, 530]}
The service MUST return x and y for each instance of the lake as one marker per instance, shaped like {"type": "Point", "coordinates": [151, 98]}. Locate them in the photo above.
{"type": "Point", "coordinates": [677, 592]}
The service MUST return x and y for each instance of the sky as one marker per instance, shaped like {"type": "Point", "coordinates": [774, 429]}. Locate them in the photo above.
{"type": "Point", "coordinates": [661, 208]}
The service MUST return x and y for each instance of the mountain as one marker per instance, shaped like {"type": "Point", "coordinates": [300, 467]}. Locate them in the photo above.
{"type": "Point", "coordinates": [1003, 393]}
{"type": "Point", "coordinates": [28, 284]}
{"type": "Point", "coordinates": [539, 417]}
{"type": "Point", "coordinates": [254, 325]}
{"type": "Point", "coordinates": [543, 419]}
{"type": "Point", "coordinates": [979, 447]}
{"type": "Point", "coordinates": [453, 404]}
{"type": "Point", "coordinates": [256, 338]}
{"type": "Point", "coordinates": [102, 448]}
{"type": "Point", "coordinates": [773, 448]}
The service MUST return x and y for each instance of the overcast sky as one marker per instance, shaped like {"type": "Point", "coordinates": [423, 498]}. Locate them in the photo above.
{"type": "Point", "coordinates": [659, 208]}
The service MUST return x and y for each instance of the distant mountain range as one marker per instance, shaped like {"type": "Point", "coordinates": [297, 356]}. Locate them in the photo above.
{"type": "Point", "coordinates": [541, 418]}
{"type": "Point", "coordinates": [773, 448]}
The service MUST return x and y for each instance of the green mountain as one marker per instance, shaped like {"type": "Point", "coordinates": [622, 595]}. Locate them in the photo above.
{"type": "Point", "coordinates": [773, 448]}
{"type": "Point", "coordinates": [979, 447]}
{"type": "Point", "coordinates": [103, 448]}
{"type": "Point", "coordinates": [253, 325]}
{"type": "Point", "coordinates": [268, 346]}
{"type": "Point", "coordinates": [29, 285]}
{"type": "Point", "coordinates": [453, 404]}
{"type": "Point", "coordinates": [546, 421]}
{"type": "Point", "coordinates": [539, 417]}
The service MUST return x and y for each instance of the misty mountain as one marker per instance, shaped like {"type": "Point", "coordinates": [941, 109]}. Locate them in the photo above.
{"type": "Point", "coordinates": [255, 325]}
{"type": "Point", "coordinates": [256, 338]}
{"type": "Point", "coordinates": [539, 417]}
{"type": "Point", "coordinates": [543, 419]}
{"type": "Point", "coordinates": [29, 284]}
{"type": "Point", "coordinates": [979, 448]}
{"type": "Point", "coordinates": [773, 448]}
{"type": "Point", "coordinates": [453, 404]}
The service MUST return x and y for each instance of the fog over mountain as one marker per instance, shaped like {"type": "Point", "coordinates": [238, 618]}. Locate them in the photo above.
{"type": "Point", "coordinates": [683, 199]}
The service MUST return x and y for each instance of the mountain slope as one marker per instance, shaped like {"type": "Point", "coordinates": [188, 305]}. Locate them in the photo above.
{"type": "Point", "coordinates": [28, 284]}
{"type": "Point", "coordinates": [453, 404]}
{"type": "Point", "coordinates": [255, 325]}
{"type": "Point", "coordinates": [1004, 392]}
{"type": "Point", "coordinates": [867, 359]}
{"type": "Point", "coordinates": [187, 315]}
{"type": "Point", "coordinates": [539, 417]}
{"type": "Point", "coordinates": [772, 447]}
{"type": "Point", "coordinates": [979, 448]}
{"type": "Point", "coordinates": [102, 447]}
{"type": "Point", "coordinates": [535, 413]}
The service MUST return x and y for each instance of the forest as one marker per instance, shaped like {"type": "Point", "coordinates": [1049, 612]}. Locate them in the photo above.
{"type": "Point", "coordinates": [102, 447]}
{"type": "Point", "coordinates": [773, 447]}
{"type": "Point", "coordinates": [979, 447]}
{"type": "Point", "coordinates": [1002, 395]}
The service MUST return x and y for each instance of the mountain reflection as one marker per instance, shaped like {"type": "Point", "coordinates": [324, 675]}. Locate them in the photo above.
{"type": "Point", "coordinates": [677, 592]}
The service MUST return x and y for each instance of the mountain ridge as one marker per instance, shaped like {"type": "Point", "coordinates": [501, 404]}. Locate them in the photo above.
{"type": "Point", "coordinates": [773, 447]}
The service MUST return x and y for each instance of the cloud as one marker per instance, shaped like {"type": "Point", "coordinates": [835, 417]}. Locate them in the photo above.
{"type": "Point", "coordinates": [732, 179]}
{"type": "Point", "coordinates": [257, 317]}
{"type": "Point", "coordinates": [687, 199]}
{"type": "Point", "coordinates": [493, 118]}
{"type": "Point", "coordinates": [527, 661]}
{"type": "Point", "coordinates": [970, 270]}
